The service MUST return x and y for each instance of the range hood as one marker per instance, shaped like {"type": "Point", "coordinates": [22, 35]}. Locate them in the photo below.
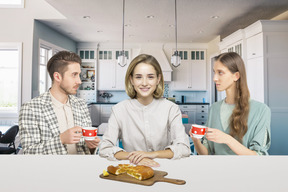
{"type": "Point", "coordinates": [160, 56]}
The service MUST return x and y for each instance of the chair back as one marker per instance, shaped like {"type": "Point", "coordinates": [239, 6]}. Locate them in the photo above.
{"type": "Point", "coordinates": [10, 135]}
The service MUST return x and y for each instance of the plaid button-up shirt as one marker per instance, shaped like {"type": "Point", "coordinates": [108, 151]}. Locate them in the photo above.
{"type": "Point", "coordinates": [39, 128]}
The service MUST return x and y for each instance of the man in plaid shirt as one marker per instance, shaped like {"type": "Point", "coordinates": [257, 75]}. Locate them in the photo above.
{"type": "Point", "coordinates": [52, 123]}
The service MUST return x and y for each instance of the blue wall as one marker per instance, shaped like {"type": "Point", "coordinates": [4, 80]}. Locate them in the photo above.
{"type": "Point", "coordinates": [42, 31]}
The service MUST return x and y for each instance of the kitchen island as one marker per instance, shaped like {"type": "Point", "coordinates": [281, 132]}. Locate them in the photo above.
{"type": "Point", "coordinates": [202, 173]}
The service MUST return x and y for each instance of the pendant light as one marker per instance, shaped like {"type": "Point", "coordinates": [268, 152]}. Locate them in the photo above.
{"type": "Point", "coordinates": [176, 59]}
{"type": "Point", "coordinates": [122, 59]}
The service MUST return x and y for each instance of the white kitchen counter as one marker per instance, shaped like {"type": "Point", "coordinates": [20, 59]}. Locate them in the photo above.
{"type": "Point", "coordinates": [202, 173]}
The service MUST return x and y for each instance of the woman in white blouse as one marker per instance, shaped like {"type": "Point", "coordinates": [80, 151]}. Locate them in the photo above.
{"type": "Point", "coordinates": [150, 126]}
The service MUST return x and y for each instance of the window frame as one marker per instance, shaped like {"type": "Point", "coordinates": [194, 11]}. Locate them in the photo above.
{"type": "Point", "coordinates": [21, 5]}
{"type": "Point", "coordinates": [18, 46]}
{"type": "Point", "coordinates": [55, 49]}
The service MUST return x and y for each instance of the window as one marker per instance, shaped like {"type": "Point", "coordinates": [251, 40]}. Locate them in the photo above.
{"type": "Point", "coordinates": [44, 80]}
{"type": "Point", "coordinates": [10, 78]}
{"type": "Point", "coordinates": [46, 50]}
{"type": "Point", "coordinates": [11, 3]}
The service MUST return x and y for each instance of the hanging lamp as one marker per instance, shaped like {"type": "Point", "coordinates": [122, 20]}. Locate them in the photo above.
{"type": "Point", "coordinates": [122, 59]}
{"type": "Point", "coordinates": [176, 59]}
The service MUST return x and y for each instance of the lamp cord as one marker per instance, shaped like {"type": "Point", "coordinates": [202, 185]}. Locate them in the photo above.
{"type": "Point", "coordinates": [123, 28]}
{"type": "Point", "coordinates": [176, 24]}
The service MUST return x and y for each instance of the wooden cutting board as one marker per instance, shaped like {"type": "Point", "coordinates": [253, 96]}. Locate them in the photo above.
{"type": "Point", "coordinates": [158, 177]}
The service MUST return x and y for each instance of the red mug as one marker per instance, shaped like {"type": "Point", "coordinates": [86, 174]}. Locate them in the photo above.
{"type": "Point", "coordinates": [198, 131]}
{"type": "Point", "coordinates": [89, 133]}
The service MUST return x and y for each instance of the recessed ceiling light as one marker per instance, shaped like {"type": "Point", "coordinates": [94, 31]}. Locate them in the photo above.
{"type": "Point", "coordinates": [100, 31]}
{"type": "Point", "coordinates": [127, 25]}
{"type": "Point", "coordinates": [171, 25]}
{"type": "Point", "coordinates": [86, 17]}
{"type": "Point", "coordinates": [215, 17]}
{"type": "Point", "coordinates": [150, 16]}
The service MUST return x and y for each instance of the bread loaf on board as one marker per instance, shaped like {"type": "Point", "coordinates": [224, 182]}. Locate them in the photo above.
{"type": "Point", "coordinates": [139, 172]}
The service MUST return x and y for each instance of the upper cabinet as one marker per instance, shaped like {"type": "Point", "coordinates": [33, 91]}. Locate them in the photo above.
{"type": "Point", "coordinates": [255, 46]}
{"type": "Point", "coordinates": [264, 48]}
{"type": "Point", "coordinates": [88, 89]}
{"type": "Point", "coordinates": [234, 43]}
{"type": "Point", "coordinates": [267, 45]}
{"type": "Point", "coordinates": [191, 74]}
{"type": "Point", "coordinates": [87, 54]}
{"type": "Point", "coordinates": [266, 52]}
{"type": "Point", "coordinates": [111, 76]}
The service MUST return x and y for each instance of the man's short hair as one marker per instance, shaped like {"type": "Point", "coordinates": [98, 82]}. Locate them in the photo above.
{"type": "Point", "coordinates": [60, 61]}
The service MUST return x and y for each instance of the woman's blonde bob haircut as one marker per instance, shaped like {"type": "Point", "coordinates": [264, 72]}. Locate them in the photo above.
{"type": "Point", "coordinates": [147, 59]}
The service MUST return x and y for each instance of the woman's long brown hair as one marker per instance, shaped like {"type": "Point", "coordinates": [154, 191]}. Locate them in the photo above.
{"type": "Point", "coordinates": [239, 117]}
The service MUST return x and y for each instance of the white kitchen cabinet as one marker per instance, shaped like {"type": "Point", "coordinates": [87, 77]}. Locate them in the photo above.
{"type": "Point", "coordinates": [266, 40]}
{"type": "Point", "coordinates": [198, 73]}
{"type": "Point", "coordinates": [255, 78]}
{"type": "Point", "coordinates": [236, 47]}
{"type": "Point", "coordinates": [267, 45]}
{"type": "Point", "coordinates": [181, 75]}
{"type": "Point", "coordinates": [87, 54]}
{"type": "Point", "coordinates": [111, 76]}
{"type": "Point", "coordinates": [191, 74]}
{"type": "Point", "coordinates": [255, 46]}
{"type": "Point", "coordinates": [234, 43]}
{"type": "Point", "coordinates": [87, 90]}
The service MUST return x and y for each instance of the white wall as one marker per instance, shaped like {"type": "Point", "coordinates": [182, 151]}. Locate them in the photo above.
{"type": "Point", "coordinates": [17, 26]}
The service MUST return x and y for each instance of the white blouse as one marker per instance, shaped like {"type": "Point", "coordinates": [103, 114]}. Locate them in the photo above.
{"type": "Point", "coordinates": [153, 127]}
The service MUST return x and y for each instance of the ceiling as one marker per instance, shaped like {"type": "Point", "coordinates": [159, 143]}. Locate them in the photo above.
{"type": "Point", "coordinates": [195, 22]}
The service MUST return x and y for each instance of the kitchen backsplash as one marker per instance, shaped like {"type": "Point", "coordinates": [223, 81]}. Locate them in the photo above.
{"type": "Point", "coordinates": [190, 96]}
{"type": "Point", "coordinates": [117, 96]}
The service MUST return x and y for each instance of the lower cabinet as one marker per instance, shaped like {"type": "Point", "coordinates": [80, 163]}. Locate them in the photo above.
{"type": "Point", "coordinates": [106, 111]}
{"type": "Point", "coordinates": [197, 114]}
{"type": "Point", "coordinates": [100, 113]}
{"type": "Point", "coordinates": [95, 114]}
{"type": "Point", "coordinates": [189, 110]}
{"type": "Point", "coordinates": [202, 114]}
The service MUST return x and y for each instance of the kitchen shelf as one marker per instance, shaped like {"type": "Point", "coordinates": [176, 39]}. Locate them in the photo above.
{"type": "Point", "coordinates": [88, 89]}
